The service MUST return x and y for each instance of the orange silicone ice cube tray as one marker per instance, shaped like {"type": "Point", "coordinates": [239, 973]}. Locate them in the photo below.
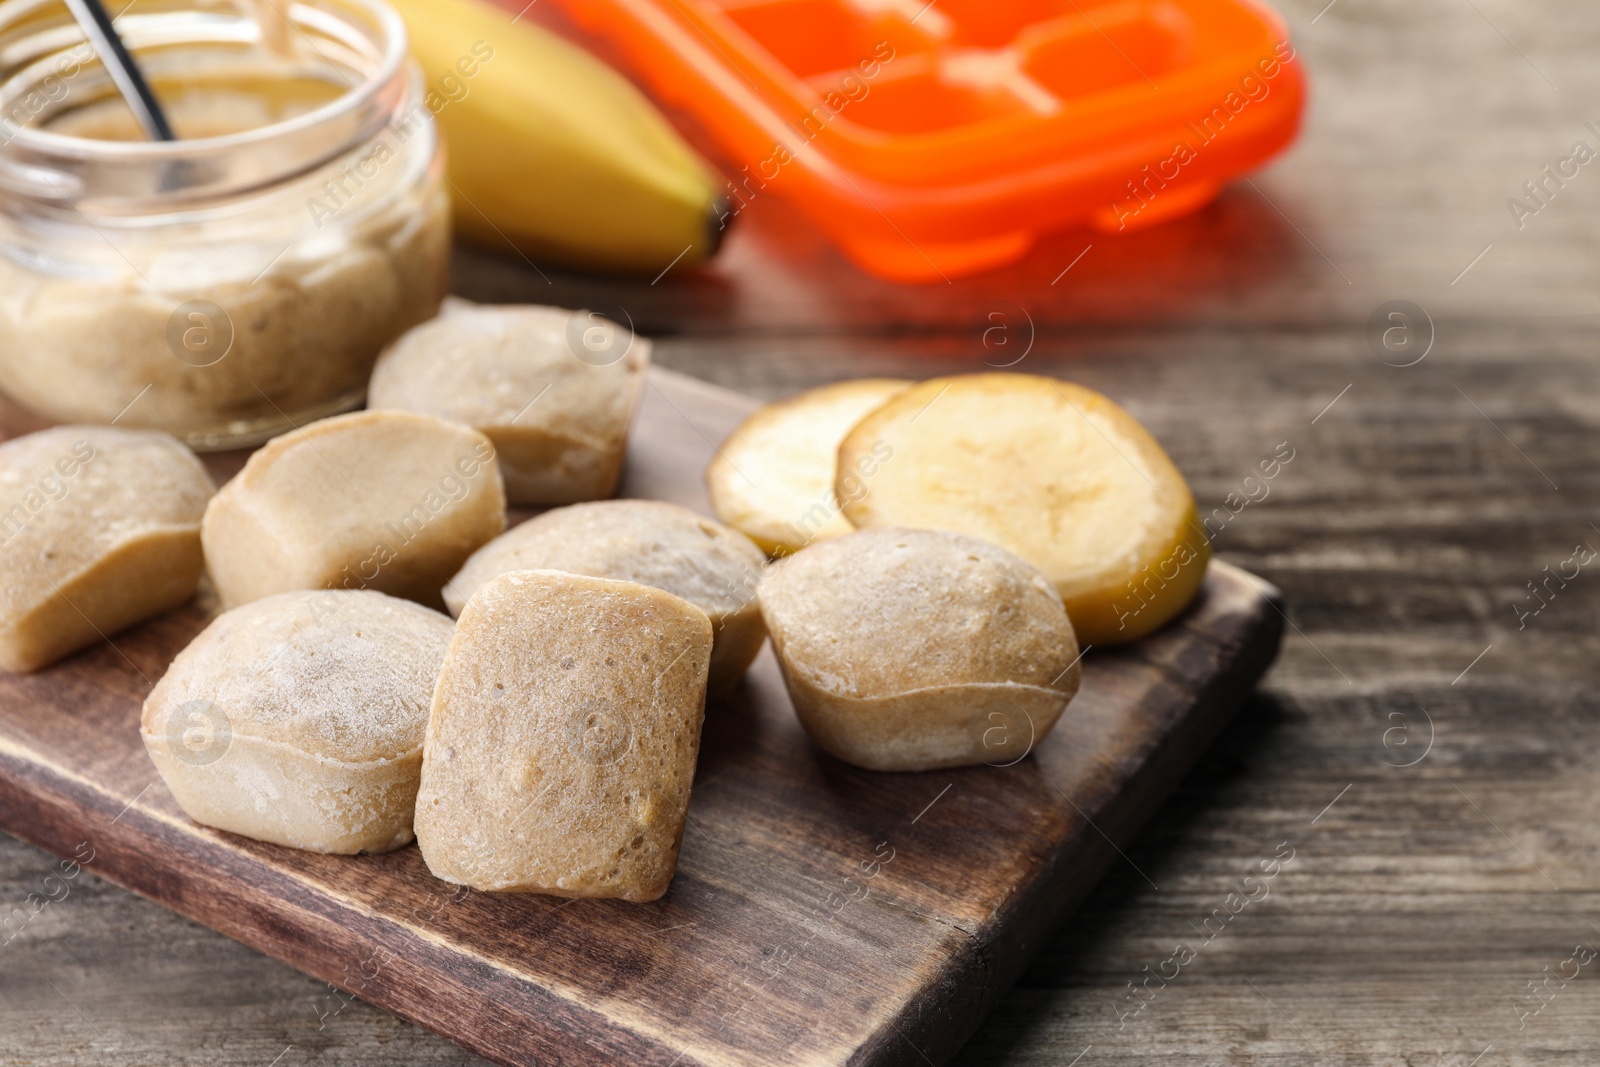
{"type": "Point", "coordinates": [933, 139]}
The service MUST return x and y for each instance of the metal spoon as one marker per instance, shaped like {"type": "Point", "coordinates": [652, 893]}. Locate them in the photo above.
{"type": "Point", "coordinates": [96, 24]}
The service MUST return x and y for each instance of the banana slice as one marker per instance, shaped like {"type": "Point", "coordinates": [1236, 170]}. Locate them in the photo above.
{"type": "Point", "coordinates": [1054, 472]}
{"type": "Point", "coordinates": [773, 479]}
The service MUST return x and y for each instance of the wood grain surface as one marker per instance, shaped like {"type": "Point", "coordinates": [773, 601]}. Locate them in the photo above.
{"type": "Point", "coordinates": [820, 914]}
{"type": "Point", "coordinates": [1415, 912]}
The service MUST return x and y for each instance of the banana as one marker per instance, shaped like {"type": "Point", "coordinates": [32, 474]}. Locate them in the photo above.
{"type": "Point", "coordinates": [552, 151]}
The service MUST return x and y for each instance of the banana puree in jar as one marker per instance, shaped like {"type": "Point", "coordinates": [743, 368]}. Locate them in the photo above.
{"type": "Point", "coordinates": [239, 280]}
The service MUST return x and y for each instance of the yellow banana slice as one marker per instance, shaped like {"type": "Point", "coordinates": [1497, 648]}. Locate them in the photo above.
{"type": "Point", "coordinates": [773, 478]}
{"type": "Point", "coordinates": [1054, 472]}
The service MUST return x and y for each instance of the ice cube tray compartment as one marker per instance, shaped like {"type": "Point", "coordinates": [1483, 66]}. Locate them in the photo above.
{"type": "Point", "coordinates": [916, 98]}
{"type": "Point", "coordinates": [1101, 50]}
{"type": "Point", "coordinates": [815, 37]}
{"type": "Point", "coordinates": [996, 23]}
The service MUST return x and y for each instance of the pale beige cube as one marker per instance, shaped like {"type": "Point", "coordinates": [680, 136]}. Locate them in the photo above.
{"type": "Point", "coordinates": [386, 500]}
{"type": "Point", "coordinates": [908, 650]}
{"type": "Point", "coordinates": [715, 568]}
{"type": "Point", "coordinates": [99, 529]}
{"type": "Point", "coordinates": [562, 743]}
{"type": "Point", "coordinates": [555, 390]}
{"type": "Point", "coordinates": [298, 719]}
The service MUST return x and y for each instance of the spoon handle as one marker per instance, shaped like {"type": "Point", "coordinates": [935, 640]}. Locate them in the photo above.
{"type": "Point", "coordinates": [91, 16]}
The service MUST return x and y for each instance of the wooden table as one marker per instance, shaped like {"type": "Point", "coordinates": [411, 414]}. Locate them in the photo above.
{"type": "Point", "coordinates": [1420, 501]}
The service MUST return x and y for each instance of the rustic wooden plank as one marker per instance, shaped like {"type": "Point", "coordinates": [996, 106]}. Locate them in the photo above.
{"type": "Point", "coordinates": [781, 940]}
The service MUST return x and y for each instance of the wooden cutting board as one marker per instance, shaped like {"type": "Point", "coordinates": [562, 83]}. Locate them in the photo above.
{"type": "Point", "coordinates": [820, 914]}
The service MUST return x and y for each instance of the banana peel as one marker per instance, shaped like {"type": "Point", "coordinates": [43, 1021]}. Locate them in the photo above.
{"type": "Point", "coordinates": [554, 153]}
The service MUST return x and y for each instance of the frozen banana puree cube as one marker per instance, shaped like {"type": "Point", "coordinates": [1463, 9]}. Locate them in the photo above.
{"type": "Point", "coordinates": [99, 528]}
{"type": "Point", "coordinates": [907, 650]}
{"type": "Point", "coordinates": [650, 542]}
{"type": "Point", "coordinates": [555, 391]}
{"type": "Point", "coordinates": [298, 719]}
{"type": "Point", "coordinates": [563, 737]}
{"type": "Point", "coordinates": [385, 500]}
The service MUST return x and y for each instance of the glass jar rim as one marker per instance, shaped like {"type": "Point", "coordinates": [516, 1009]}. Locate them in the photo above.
{"type": "Point", "coordinates": [48, 165]}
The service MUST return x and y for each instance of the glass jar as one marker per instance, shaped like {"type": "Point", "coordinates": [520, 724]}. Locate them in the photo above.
{"type": "Point", "coordinates": [242, 279]}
